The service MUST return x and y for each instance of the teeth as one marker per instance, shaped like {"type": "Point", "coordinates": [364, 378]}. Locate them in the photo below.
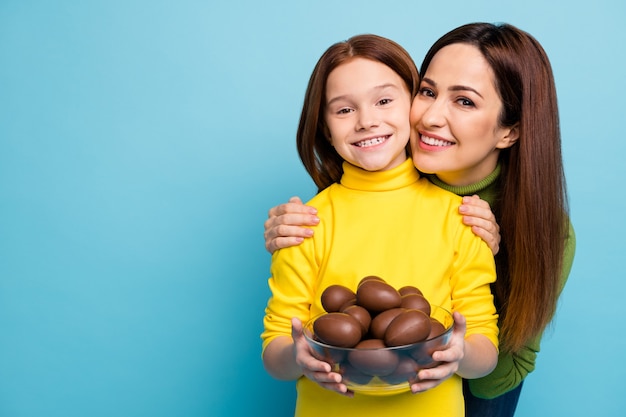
{"type": "Point", "coordinates": [371, 142]}
{"type": "Point", "coordinates": [435, 142]}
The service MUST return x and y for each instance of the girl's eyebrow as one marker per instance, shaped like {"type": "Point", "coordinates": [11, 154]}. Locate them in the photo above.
{"type": "Point", "coordinates": [378, 87]}
{"type": "Point", "coordinates": [454, 87]}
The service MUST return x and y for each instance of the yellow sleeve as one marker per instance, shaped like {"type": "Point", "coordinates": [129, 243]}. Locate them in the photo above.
{"type": "Point", "coordinates": [292, 284]}
{"type": "Point", "coordinates": [473, 273]}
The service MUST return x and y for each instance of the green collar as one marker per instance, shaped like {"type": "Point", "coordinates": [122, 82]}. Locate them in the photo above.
{"type": "Point", "coordinates": [484, 188]}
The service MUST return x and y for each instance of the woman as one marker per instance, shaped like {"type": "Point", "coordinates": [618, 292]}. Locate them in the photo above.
{"type": "Point", "coordinates": [485, 122]}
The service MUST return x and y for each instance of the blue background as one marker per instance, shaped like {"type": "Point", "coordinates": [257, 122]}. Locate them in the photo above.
{"type": "Point", "coordinates": [141, 145]}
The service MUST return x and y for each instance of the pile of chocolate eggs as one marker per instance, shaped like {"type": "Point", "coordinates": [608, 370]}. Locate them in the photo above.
{"type": "Point", "coordinates": [378, 337]}
{"type": "Point", "coordinates": [375, 312]}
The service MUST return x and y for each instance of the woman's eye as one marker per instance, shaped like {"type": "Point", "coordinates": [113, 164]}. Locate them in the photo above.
{"type": "Point", "coordinates": [465, 102]}
{"type": "Point", "coordinates": [426, 92]}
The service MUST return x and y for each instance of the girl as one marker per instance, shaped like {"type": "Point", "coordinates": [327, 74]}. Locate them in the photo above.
{"type": "Point", "coordinates": [353, 134]}
{"type": "Point", "coordinates": [485, 122]}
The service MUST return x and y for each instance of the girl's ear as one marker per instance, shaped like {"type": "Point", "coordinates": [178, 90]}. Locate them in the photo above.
{"type": "Point", "coordinates": [511, 135]}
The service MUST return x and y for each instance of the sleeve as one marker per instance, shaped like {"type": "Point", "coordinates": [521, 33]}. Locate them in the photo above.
{"type": "Point", "coordinates": [512, 369]}
{"type": "Point", "coordinates": [474, 271]}
{"type": "Point", "coordinates": [292, 285]}
{"type": "Point", "coordinates": [568, 255]}
{"type": "Point", "coordinates": [508, 374]}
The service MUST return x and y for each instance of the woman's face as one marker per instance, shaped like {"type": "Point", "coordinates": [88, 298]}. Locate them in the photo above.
{"type": "Point", "coordinates": [366, 114]}
{"type": "Point", "coordinates": [454, 117]}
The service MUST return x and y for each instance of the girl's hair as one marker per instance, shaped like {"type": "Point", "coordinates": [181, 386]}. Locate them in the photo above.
{"type": "Point", "coordinates": [320, 159]}
{"type": "Point", "coordinates": [532, 210]}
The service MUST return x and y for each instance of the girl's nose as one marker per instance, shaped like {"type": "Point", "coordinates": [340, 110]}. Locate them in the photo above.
{"type": "Point", "coordinates": [366, 119]}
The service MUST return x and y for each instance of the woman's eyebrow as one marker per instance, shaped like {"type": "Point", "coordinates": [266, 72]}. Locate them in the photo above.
{"type": "Point", "coordinates": [454, 87]}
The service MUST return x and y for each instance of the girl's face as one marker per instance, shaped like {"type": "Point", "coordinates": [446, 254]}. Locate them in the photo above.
{"type": "Point", "coordinates": [366, 113]}
{"type": "Point", "coordinates": [454, 117]}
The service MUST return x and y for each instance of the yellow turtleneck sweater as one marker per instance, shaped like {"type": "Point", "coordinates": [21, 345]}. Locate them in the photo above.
{"type": "Point", "coordinates": [406, 230]}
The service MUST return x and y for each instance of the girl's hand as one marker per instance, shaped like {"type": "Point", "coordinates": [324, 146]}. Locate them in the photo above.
{"type": "Point", "coordinates": [284, 226]}
{"type": "Point", "coordinates": [449, 358]}
{"type": "Point", "coordinates": [312, 368]}
{"type": "Point", "coordinates": [477, 214]}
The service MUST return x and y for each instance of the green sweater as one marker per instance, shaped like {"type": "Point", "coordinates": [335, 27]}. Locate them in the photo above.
{"type": "Point", "coordinates": [512, 368]}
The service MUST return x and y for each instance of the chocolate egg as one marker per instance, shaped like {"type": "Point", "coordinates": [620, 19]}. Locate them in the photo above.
{"type": "Point", "coordinates": [416, 302]}
{"type": "Point", "coordinates": [370, 357]}
{"type": "Point", "coordinates": [438, 339]}
{"type": "Point", "coordinates": [350, 302]}
{"type": "Point", "coordinates": [409, 289]}
{"type": "Point", "coordinates": [406, 371]}
{"type": "Point", "coordinates": [335, 296]}
{"type": "Point", "coordinates": [377, 296]}
{"type": "Point", "coordinates": [411, 326]}
{"type": "Point", "coordinates": [436, 328]}
{"type": "Point", "coordinates": [328, 354]}
{"type": "Point", "coordinates": [361, 314]}
{"type": "Point", "coordinates": [337, 329]}
{"type": "Point", "coordinates": [381, 321]}
{"type": "Point", "coordinates": [370, 278]}
{"type": "Point", "coordinates": [423, 357]}
{"type": "Point", "coordinates": [352, 375]}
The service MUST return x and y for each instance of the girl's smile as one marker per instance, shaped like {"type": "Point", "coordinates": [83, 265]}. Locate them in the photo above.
{"type": "Point", "coordinates": [365, 143]}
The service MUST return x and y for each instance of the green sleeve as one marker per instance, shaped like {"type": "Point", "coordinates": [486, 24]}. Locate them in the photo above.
{"type": "Point", "coordinates": [508, 374]}
{"type": "Point", "coordinates": [513, 368]}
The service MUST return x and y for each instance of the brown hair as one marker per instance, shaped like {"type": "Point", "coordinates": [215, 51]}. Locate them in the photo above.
{"type": "Point", "coordinates": [320, 159]}
{"type": "Point", "coordinates": [532, 208]}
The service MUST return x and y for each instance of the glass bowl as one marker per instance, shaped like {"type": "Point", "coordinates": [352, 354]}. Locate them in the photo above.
{"type": "Point", "coordinates": [382, 370]}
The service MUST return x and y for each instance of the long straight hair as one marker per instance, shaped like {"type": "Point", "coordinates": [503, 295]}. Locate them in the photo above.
{"type": "Point", "coordinates": [532, 210]}
{"type": "Point", "coordinates": [320, 159]}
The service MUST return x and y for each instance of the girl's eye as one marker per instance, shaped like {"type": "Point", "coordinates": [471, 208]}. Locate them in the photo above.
{"type": "Point", "coordinates": [384, 101]}
{"type": "Point", "coordinates": [345, 110]}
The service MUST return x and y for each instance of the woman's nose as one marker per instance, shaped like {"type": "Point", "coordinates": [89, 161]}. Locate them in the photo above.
{"type": "Point", "coordinates": [432, 113]}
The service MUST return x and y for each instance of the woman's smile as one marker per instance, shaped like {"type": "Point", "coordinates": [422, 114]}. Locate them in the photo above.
{"type": "Point", "coordinates": [431, 143]}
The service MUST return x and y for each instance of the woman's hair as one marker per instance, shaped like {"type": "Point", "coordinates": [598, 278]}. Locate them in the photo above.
{"type": "Point", "coordinates": [320, 159]}
{"type": "Point", "coordinates": [532, 210]}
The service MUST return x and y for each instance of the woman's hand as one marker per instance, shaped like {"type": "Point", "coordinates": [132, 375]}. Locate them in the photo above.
{"type": "Point", "coordinates": [284, 226]}
{"type": "Point", "coordinates": [449, 359]}
{"type": "Point", "coordinates": [312, 368]}
{"type": "Point", "coordinates": [477, 214]}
